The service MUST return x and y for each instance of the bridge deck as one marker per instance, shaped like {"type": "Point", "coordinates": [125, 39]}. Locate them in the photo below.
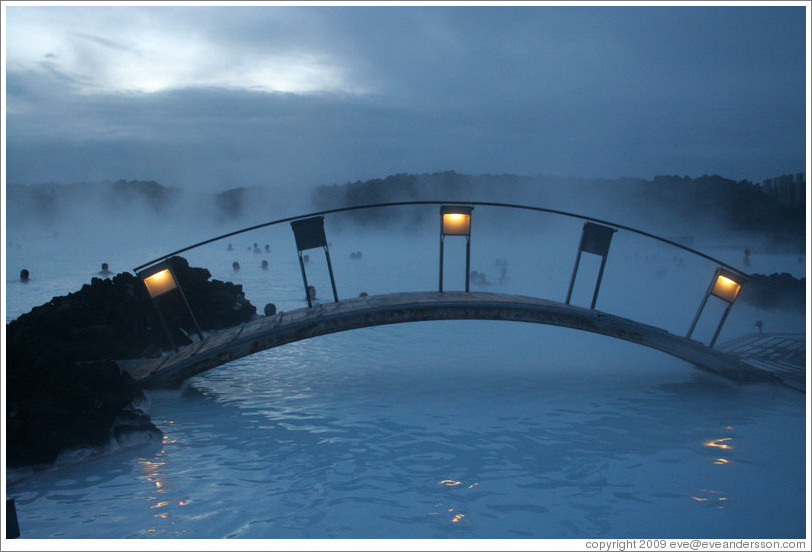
{"type": "Point", "coordinates": [783, 355]}
{"type": "Point", "coordinates": [324, 318]}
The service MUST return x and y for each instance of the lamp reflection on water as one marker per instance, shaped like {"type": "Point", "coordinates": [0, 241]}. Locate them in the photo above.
{"type": "Point", "coordinates": [712, 500]}
{"type": "Point", "coordinates": [457, 517]}
{"type": "Point", "coordinates": [719, 443]}
{"type": "Point", "coordinates": [154, 472]}
{"type": "Point", "coordinates": [722, 443]}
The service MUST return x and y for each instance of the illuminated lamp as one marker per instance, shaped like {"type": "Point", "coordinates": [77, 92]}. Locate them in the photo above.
{"type": "Point", "coordinates": [455, 220]}
{"type": "Point", "coordinates": [159, 280]}
{"type": "Point", "coordinates": [726, 286]}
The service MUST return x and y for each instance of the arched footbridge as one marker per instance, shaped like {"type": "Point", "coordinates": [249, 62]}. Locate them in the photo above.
{"type": "Point", "coordinates": [324, 318]}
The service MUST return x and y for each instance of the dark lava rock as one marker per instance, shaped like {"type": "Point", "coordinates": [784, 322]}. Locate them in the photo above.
{"type": "Point", "coordinates": [64, 391]}
{"type": "Point", "coordinates": [114, 319]}
{"type": "Point", "coordinates": [777, 291]}
{"type": "Point", "coordinates": [55, 405]}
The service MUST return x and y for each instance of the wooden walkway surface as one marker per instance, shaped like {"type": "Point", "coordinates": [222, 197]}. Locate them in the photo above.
{"type": "Point", "coordinates": [324, 318]}
{"type": "Point", "coordinates": [783, 355]}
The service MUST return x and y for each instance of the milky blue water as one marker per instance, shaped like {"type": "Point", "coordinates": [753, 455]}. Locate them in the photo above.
{"type": "Point", "coordinates": [457, 429]}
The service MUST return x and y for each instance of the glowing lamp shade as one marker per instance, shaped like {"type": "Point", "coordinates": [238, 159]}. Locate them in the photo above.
{"type": "Point", "coordinates": [726, 288]}
{"type": "Point", "coordinates": [160, 283]}
{"type": "Point", "coordinates": [456, 221]}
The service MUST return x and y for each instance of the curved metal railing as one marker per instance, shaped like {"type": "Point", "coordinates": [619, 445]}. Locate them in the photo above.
{"type": "Point", "coordinates": [448, 202]}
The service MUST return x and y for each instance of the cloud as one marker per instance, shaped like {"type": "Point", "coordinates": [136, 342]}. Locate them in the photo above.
{"type": "Point", "coordinates": [156, 49]}
{"type": "Point", "coordinates": [218, 97]}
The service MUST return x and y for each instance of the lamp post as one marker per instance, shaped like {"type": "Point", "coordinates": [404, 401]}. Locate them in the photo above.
{"type": "Point", "coordinates": [160, 279]}
{"type": "Point", "coordinates": [595, 238]}
{"type": "Point", "coordinates": [309, 234]}
{"type": "Point", "coordinates": [726, 286]}
{"type": "Point", "coordinates": [455, 220]}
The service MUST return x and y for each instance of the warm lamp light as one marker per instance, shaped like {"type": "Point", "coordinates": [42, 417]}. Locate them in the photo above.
{"type": "Point", "coordinates": [455, 220]}
{"type": "Point", "coordinates": [456, 224]}
{"type": "Point", "coordinates": [160, 283]}
{"type": "Point", "coordinates": [160, 279]}
{"type": "Point", "coordinates": [726, 288]}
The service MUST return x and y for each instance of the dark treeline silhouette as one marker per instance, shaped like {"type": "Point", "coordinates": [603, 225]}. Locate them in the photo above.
{"type": "Point", "coordinates": [52, 202]}
{"type": "Point", "coordinates": [743, 204]}
{"type": "Point", "coordinates": [664, 204]}
{"type": "Point", "coordinates": [730, 205]}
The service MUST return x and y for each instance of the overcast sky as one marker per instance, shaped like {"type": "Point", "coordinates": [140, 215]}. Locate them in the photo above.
{"type": "Point", "coordinates": [220, 97]}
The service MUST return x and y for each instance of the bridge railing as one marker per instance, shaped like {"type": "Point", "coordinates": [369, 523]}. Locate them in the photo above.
{"type": "Point", "coordinates": [596, 238]}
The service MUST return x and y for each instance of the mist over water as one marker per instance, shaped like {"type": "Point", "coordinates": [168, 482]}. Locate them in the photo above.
{"type": "Point", "coordinates": [517, 252]}
{"type": "Point", "coordinates": [454, 429]}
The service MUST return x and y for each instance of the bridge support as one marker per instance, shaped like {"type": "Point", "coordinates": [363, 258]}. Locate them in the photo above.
{"type": "Point", "coordinates": [160, 279]}
{"type": "Point", "coordinates": [309, 234]}
{"type": "Point", "coordinates": [594, 239]}
{"type": "Point", "coordinates": [726, 286]}
{"type": "Point", "coordinates": [455, 220]}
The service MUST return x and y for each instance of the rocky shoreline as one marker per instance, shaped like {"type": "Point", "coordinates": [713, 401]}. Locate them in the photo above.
{"type": "Point", "coordinates": [65, 391]}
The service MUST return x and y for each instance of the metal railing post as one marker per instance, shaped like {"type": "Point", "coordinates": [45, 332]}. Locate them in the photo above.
{"type": "Point", "coordinates": [441, 263]}
{"type": "Point", "coordinates": [572, 279]}
{"type": "Point", "coordinates": [304, 279]}
{"type": "Point", "coordinates": [330, 270]}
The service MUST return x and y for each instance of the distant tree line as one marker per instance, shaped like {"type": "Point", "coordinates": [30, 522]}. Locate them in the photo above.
{"type": "Point", "coordinates": [742, 203]}
{"type": "Point", "coordinates": [739, 206]}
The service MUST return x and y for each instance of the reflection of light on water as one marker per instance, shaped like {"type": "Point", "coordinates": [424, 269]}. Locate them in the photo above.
{"type": "Point", "coordinates": [452, 483]}
{"type": "Point", "coordinates": [717, 501]}
{"type": "Point", "coordinates": [150, 468]}
{"type": "Point", "coordinates": [719, 443]}
{"type": "Point", "coordinates": [155, 473]}
{"type": "Point", "coordinates": [152, 471]}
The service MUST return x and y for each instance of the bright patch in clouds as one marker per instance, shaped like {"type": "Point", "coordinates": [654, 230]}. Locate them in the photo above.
{"type": "Point", "coordinates": [84, 47]}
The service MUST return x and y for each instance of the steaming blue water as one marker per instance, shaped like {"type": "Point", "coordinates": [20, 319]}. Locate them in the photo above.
{"type": "Point", "coordinates": [441, 429]}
